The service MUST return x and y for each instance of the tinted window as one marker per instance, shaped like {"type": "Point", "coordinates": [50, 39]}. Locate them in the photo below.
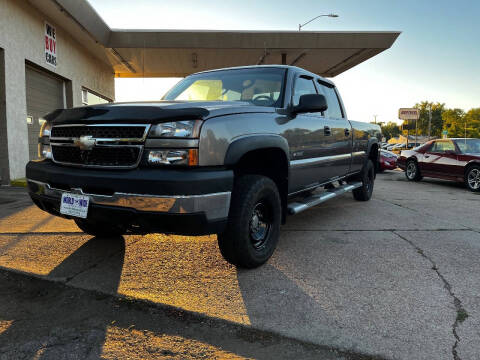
{"type": "Point", "coordinates": [302, 86]}
{"type": "Point", "coordinates": [442, 146]}
{"type": "Point", "coordinates": [469, 146]}
{"type": "Point", "coordinates": [334, 110]}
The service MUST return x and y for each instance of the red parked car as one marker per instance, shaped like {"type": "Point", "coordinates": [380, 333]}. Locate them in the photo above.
{"type": "Point", "coordinates": [388, 160]}
{"type": "Point", "coordinates": [449, 159]}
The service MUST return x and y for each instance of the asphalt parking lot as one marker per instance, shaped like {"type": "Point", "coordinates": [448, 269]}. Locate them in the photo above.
{"type": "Point", "coordinates": [393, 278]}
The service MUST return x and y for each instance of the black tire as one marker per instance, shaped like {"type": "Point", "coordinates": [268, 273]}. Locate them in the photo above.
{"type": "Point", "coordinates": [100, 229]}
{"type": "Point", "coordinates": [254, 221]}
{"type": "Point", "coordinates": [412, 171]}
{"type": "Point", "coordinates": [364, 193]}
{"type": "Point", "coordinates": [472, 178]}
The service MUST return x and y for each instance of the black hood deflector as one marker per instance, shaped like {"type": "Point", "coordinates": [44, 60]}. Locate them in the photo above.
{"type": "Point", "coordinates": [125, 114]}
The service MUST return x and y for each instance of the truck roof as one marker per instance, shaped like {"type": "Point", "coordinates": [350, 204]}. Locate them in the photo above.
{"type": "Point", "coordinates": [289, 67]}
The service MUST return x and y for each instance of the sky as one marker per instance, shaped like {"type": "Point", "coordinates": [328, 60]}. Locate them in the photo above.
{"type": "Point", "coordinates": [436, 58]}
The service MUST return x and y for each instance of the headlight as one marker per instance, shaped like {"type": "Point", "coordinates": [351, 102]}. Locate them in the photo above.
{"type": "Point", "coordinates": [46, 128]}
{"type": "Point", "coordinates": [184, 157]}
{"type": "Point", "coordinates": [44, 148]}
{"type": "Point", "coordinates": [182, 129]}
{"type": "Point", "coordinates": [44, 151]}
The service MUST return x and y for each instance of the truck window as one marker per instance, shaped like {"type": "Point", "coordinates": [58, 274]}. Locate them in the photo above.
{"type": "Point", "coordinates": [302, 86]}
{"type": "Point", "coordinates": [261, 87]}
{"type": "Point", "coordinates": [334, 110]}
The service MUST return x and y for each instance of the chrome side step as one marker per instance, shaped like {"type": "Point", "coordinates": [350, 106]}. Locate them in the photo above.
{"type": "Point", "coordinates": [302, 205]}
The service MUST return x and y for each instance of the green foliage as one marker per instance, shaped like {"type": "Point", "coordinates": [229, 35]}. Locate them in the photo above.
{"type": "Point", "coordinates": [437, 121]}
{"type": "Point", "coordinates": [390, 129]}
{"type": "Point", "coordinates": [453, 120]}
{"type": "Point", "coordinates": [460, 124]}
{"type": "Point", "coordinates": [472, 118]}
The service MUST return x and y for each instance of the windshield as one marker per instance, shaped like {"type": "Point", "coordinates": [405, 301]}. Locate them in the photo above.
{"type": "Point", "coordinates": [261, 87]}
{"type": "Point", "coordinates": [469, 146]}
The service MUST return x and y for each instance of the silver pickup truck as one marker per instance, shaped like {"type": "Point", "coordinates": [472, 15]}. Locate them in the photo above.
{"type": "Point", "coordinates": [229, 152]}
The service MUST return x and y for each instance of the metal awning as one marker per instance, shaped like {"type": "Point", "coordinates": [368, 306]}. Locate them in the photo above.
{"type": "Point", "coordinates": [177, 53]}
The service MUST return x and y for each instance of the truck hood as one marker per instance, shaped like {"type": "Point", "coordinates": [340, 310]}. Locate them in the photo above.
{"type": "Point", "coordinates": [153, 112]}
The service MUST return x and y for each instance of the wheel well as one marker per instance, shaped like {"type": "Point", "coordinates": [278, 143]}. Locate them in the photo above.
{"type": "Point", "coordinates": [469, 165]}
{"type": "Point", "coordinates": [269, 162]}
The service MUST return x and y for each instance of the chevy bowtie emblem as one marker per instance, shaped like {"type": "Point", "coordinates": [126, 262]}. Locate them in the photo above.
{"type": "Point", "coordinates": [85, 142]}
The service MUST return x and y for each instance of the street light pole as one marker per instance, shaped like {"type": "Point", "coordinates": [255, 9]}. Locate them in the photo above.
{"type": "Point", "coordinates": [323, 15]}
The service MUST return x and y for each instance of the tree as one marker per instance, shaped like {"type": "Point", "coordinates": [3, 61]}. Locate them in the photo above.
{"type": "Point", "coordinates": [390, 130]}
{"type": "Point", "coordinates": [472, 119]}
{"type": "Point", "coordinates": [437, 121]}
{"type": "Point", "coordinates": [454, 122]}
{"type": "Point", "coordinates": [460, 124]}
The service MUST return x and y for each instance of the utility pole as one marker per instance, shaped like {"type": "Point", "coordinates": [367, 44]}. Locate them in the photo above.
{"type": "Point", "coordinates": [375, 118]}
{"type": "Point", "coordinates": [429, 120]}
{"type": "Point", "coordinates": [416, 132]}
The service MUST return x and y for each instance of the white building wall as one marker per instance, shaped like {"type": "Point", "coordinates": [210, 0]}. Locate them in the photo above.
{"type": "Point", "coordinates": [22, 38]}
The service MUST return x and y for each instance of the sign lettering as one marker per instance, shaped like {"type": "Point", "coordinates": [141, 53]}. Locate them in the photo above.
{"type": "Point", "coordinates": [50, 45]}
{"type": "Point", "coordinates": [408, 114]}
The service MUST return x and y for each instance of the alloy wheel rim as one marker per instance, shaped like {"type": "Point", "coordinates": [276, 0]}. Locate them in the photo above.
{"type": "Point", "coordinates": [411, 170]}
{"type": "Point", "coordinates": [259, 225]}
{"type": "Point", "coordinates": [474, 179]}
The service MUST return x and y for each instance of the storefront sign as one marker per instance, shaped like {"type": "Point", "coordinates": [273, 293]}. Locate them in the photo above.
{"type": "Point", "coordinates": [408, 114]}
{"type": "Point", "coordinates": [50, 45]}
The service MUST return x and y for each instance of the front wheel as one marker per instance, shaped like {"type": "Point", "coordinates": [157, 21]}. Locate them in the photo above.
{"type": "Point", "coordinates": [364, 193]}
{"type": "Point", "coordinates": [412, 172]}
{"type": "Point", "coordinates": [472, 178]}
{"type": "Point", "coordinates": [253, 224]}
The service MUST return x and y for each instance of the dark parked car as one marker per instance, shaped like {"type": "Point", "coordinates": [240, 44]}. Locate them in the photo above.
{"type": "Point", "coordinates": [388, 160]}
{"type": "Point", "coordinates": [228, 152]}
{"type": "Point", "coordinates": [449, 159]}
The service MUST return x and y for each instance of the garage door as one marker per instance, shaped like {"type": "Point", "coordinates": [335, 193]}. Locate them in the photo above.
{"type": "Point", "coordinates": [44, 94]}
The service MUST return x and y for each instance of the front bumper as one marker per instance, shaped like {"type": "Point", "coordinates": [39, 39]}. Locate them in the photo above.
{"type": "Point", "coordinates": [145, 200]}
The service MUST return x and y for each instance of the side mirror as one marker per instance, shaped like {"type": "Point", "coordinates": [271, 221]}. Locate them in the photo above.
{"type": "Point", "coordinates": [310, 103]}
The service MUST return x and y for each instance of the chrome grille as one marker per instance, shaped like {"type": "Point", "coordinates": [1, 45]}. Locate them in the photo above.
{"type": "Point", "coordinates": [98, 145]}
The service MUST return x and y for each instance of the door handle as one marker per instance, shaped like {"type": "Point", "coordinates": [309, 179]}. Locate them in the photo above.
{"type": "Point", "coordinates": [347, 132]}
{"type": "Point", "coordinates": [427, 156]}
{"type": "Point", "coordinates": [327, 131]}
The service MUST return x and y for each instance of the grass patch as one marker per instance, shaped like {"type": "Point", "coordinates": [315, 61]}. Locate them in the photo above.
{"type": "Point", "coordinates": [22, 182]}
{"type": "Point", "coordinates": [462, 315]}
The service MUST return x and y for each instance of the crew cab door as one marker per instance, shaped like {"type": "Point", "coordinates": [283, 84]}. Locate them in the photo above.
{"type": "Point", "coordinates": [338, 141]}
{"type": "Point", "coordinates": [307, 141]}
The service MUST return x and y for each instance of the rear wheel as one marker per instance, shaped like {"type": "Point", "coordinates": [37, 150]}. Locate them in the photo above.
{"type": "Point", "coordinates": [364, 193]}
{"type": "Point", "coordinates": [472, 178]}
{"type": "Point", "coordinates": [412, 172]}
{"type": "Point", "coordinates": [254, 222]}
{"type": "Point", "coordinates": [99, 228]}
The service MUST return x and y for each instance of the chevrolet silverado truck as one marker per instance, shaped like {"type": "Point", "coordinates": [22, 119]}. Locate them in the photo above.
{"type": "Point", "coordinates": [230, 152]}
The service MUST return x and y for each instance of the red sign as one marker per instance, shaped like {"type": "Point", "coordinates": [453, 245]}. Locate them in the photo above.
{"type": "Point", "coordinates": [50, 45]}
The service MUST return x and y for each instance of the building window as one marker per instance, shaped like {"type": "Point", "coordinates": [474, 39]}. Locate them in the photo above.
{"type": "Point", "coordinates": [90, 98]}
{"type": "Point", "coordinates": [84, 97]}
